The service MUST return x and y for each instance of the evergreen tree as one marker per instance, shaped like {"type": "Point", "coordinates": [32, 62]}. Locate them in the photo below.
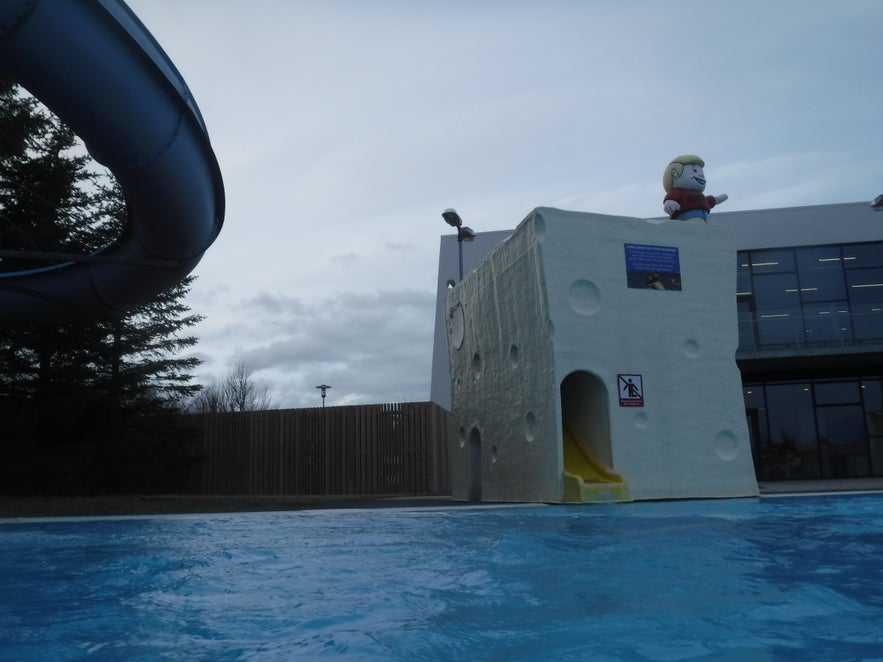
{"type": "Point", "coordinates": [87, 405]}
{"type": "Point", "coordinates": [44, 196]}
{"type": "Point", "coordinates": [44, 183]}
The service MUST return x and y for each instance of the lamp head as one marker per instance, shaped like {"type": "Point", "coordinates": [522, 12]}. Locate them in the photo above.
{"type": "Point", "coordinates": [452, 218]}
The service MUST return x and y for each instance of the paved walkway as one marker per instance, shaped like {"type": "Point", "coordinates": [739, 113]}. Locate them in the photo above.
{"type": "Point", "coordinates": [827, 485]}
{"type": "Point", "coordinates": [18, 507]}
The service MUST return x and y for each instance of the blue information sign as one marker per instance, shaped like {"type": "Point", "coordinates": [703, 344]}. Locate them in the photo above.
{"type": "Point", "coordinates": [653, 267]}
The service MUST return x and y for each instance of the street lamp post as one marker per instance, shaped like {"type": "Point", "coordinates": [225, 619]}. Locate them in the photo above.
{"type": "Point", "coordinates": [323, 387]}
{"type": "Point", "coordinates": [464, 233]}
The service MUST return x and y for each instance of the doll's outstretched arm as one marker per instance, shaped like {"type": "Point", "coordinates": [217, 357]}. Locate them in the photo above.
{"type": "Point", "coordinates": [671, 206]}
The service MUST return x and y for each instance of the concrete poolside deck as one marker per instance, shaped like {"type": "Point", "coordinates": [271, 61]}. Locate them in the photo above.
{"type": "Point", "coordinates": [829, 485]}
{"type": "Point", "coordinates": [26, 507]}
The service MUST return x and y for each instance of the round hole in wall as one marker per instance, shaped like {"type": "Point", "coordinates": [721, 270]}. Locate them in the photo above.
{"type": "Point", "coordinates": [726, 445]}
{"type": "Point", "coordinates": [476, 363]}
{"type": "Point", "coordinates": [584, 297]}
{"type": "Point", "coordinates": [457, 326]}
{"type": "Point", "coordinates": [513, 355]}
{"type": "Point", "coordinates": [641, 420]}
{"type": "Point", "coordinates": [493, 454]}
{"type": "Point", "coordinates": [530, 426]}
{"type": "Point", "coordinates": [691, 348]}
{"type": "Point", "coordinates": [450, 284]}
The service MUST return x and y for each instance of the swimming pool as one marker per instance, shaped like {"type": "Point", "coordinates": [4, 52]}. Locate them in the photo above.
{"type": "Point", "coordinates": [786, 578]}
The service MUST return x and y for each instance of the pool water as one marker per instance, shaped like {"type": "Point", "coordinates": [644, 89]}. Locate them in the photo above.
{"type": "Point", "coordinates": [772, 579]}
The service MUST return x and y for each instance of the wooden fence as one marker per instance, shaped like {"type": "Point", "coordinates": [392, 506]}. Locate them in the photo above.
{"type": "Point", "coordinates": [370, 450]}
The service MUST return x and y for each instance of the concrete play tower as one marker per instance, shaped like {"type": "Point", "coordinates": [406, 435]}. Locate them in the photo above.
{"type": "Point", "coordinates": [592, 358]}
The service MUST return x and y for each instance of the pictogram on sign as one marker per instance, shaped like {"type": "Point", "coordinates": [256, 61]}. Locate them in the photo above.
{"type": "Point", "coordinates": [631, 390]}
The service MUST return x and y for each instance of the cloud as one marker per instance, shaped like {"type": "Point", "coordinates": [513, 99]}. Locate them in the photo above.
{"type": "Point", "coordinates": [369, 347]}
{"type": "Point", "coordinates": [801, 178]}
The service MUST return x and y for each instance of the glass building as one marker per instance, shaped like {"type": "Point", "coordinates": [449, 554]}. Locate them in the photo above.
{"type": "Point", "coordinates": [809, 295]}
{"type": "Point", "coordinates": [810, 341]}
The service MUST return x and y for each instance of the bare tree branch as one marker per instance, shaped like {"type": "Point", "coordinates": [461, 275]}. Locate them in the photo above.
{"type": "Point", "coordinates": [237, 391]}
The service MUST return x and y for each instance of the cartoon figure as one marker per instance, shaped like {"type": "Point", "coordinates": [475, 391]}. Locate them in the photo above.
{"type": "Point", "coordinates": [684, 183]}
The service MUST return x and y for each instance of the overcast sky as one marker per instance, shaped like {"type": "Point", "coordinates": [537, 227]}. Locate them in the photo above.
{"type": "Point", "coordinates": [344, 128]}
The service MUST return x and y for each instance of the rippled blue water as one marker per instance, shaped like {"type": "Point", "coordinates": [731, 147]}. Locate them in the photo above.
{"type": "Point", "coordinates": [789, 578]}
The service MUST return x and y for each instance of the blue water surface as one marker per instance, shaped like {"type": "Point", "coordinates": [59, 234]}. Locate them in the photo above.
{"type": "Point", "coordinates": [771, 579]}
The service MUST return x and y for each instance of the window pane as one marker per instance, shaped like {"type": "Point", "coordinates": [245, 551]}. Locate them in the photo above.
{"type": "Point", "coordinates": [842, 441]}
{"type": "Point", "coordinates": [856, 256]}
{"type": "Point", "coordinates": [780, 329]}
{"type": "Point", "coordinates": [821, 273]}
{"type": "Point", "coordinates": [837, 393]}
{"type": "Point", "coordinates": [872, 395]}
{"type": "Point", "coordinates": [778, 310]}
{"type": "Point", "coordinates": [754, 397]}
{"type": "Point", "coordinates": [792, 450]}
{"type": "Point", "coordinates": [776, 293]}
{"type": "Point", "coordinates": [746, 326]}
{"type": "Point", "coordinates": [755, 413]}
{"type": "Point", "coordinates": [764, 262]}
{"type": "Point", "coordinates": [828, 323]}
{"type": "Point", "coordinates": [865, 285]}
{"type": "Point", "coordinates": [867, 321]}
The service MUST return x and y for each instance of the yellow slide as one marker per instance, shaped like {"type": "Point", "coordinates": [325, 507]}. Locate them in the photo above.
{"type": "Point", "coordinates": [586, 479]}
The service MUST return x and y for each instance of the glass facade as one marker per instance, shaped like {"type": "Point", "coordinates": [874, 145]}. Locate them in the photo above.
{"type": "Point", "coordinates": [816, 429]}
{"type": "Point", "coordinates": [811, 296]}
{"type": "Point", "coordinates": [798, 302]}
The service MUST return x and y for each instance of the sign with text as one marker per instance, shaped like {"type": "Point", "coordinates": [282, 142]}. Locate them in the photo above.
{"type": "Point", "coordinates": [631, 390]}
{"type": "Point", "coordinates": [652, 267]}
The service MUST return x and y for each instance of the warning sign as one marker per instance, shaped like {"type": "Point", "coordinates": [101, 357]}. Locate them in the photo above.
{"type": "Point", "coordinates": [631, 390]}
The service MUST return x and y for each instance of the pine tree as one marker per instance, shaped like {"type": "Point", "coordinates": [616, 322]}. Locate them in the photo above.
{"type": "Point", "coordinates": [86, 405]}
{"type": "Point", "coordinates": [44, 196]}
{"type": "Point", "coordinates": [44, 183]}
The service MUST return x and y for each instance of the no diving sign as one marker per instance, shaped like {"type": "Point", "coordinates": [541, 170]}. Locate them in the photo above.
{"type": "Point", "coordinates": [631, 390]}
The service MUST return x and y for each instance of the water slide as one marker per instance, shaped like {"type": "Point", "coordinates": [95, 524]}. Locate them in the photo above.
{"type": "Point", "coordinates": [586, 479]}
{"type": "Point", "coordinates": [95, 65]}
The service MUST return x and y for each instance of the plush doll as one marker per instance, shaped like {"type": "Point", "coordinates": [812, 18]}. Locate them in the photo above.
{"type": "Point", "coordinates": [684, 182]}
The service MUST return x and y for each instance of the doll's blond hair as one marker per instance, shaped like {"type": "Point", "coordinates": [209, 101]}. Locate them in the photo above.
{"type": "Point", "coordinates": [676, 169]}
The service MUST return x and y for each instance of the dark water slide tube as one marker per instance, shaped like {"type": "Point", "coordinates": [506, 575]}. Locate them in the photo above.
{"type": "Point", "coordinates": [100, 71]}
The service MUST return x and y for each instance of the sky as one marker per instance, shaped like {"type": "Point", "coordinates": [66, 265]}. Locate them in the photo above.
{"type": "Point", "coordinates": [344, 128]}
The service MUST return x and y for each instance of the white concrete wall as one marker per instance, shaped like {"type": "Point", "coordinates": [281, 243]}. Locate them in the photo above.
{"type": "Point", "coordinates": [502, 377]}
{"type": "Point", "coordinates": [553, 299]}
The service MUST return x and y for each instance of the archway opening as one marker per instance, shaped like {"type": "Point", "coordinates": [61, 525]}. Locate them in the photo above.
{"type": "Point", "coordinates": [585, 414]}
